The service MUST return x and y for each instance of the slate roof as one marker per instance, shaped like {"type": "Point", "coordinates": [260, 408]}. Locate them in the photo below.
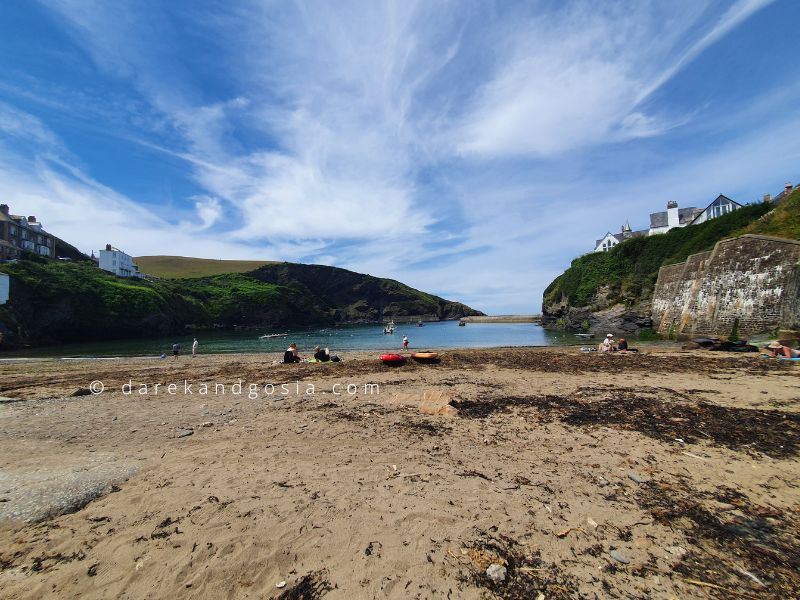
{"type": "Point", "coordinates": [685, 215]}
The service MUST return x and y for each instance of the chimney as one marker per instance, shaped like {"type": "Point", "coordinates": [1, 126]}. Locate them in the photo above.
{"type": "Point", "coordinates": [673, 216]}
{"type": "Point", "coordinates": [108, 247]}
{"type": "Point", "coordinates": [4, 209]}
{"type": "Point", "coordinates": [767, 198]}
{"type": "Point", "coordinates": [31, 219]}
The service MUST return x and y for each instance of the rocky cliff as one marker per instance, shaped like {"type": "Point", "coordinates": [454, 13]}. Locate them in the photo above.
{"type": "Point", "coordinates": [57, 302]}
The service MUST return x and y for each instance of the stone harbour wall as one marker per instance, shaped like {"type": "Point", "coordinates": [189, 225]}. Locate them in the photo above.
{"type": "Point", "coordinates": [752, 278]}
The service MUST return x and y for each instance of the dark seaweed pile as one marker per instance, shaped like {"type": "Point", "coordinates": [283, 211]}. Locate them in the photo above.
{"type": "Point", "coordinates": [771, 432]}
{"type": "Point", "coordinates": [760, 540]}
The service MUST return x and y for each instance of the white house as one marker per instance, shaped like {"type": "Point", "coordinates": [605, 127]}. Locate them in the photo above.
{"type": "Point", "coordinates": [662, 222]}
{"type": "Point", "coordinates": [5, 287]}
{"type": "Point", "coordinates": [722, 205]}
{"type": "Point", "coordinates": [610, 240]}
{"type": "Point", "coordinates": [116, 261]}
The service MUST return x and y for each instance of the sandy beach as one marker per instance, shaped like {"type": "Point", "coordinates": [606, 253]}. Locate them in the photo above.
{"type": "Point", "coordinates": [667, 474]}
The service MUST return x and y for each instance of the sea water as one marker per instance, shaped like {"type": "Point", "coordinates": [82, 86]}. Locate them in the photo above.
{"type": "Point", "coordinates": [340, 340]}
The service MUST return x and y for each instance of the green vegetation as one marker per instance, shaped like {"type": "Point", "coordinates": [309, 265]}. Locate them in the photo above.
{"type": "Point", "coordinates": [648, 335]}
{"type": "Point", "coordinates": [734, 335]}
{"type": "Point", "coordinates": [628, 272]}
{"type": "Point", "coordinates": [783, 222]}
{"type": "Point", "coordinates": [67, 301]}
{"type": "Point", "coordinates": [184, 267]}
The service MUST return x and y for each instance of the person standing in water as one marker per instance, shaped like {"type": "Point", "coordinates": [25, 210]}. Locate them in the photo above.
{"type": "Point", "coordinates": [194, 348]}
{"type": "Point", "coordinates": [405, 342]}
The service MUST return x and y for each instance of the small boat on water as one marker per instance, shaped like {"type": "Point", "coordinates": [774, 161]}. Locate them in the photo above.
{"type": "Point", "coordinates": [389, 327]}
{"type": "Point", "coordinates": [420, 324]}
{"type": "Point", "coordinates": [267, 336]}
{"type": "Point", "coordinates": [462, 323]}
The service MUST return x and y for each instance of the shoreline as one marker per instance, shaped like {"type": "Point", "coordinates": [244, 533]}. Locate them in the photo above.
{"type": "Point", "coordinates": [663, 345]}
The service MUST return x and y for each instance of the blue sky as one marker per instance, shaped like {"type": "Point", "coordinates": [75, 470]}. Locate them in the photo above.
{"type": "Point", "coordinates": [470, 149]}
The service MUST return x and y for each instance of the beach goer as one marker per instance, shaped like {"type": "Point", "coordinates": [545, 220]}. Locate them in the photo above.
{"type": "Point", "coordinates": [608, 343]}
{"type": "Point", "coordinates": [622, 345]}
{"type": "Point", "coordinates": [778, 349]}
{"type": "Point", "coordinates": [405, 342]}
{"type": "Point", "coordinates": [291, 355]}
{"type": "Point", "coordinates": [194, 348]}
{"type": "Point", "coordinates": [176, 349]}
{"type": "Point", "coordinates": [321, 355]}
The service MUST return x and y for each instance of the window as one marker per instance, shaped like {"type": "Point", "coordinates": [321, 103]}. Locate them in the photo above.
{"type": "Point", "coordinates": [113, 263]}
{"type": "Point", "coordinates": [13, 230]}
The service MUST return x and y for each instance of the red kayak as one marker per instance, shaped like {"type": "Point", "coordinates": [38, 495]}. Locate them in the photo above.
{"type": "Point", "coordinates": [392, 359]}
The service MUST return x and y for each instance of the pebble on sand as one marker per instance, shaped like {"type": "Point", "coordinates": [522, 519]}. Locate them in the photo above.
{"type": "Point", "coordinates": [496, 573]}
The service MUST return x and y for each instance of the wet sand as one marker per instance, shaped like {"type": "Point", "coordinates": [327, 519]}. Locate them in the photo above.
{"type": "Point", "coordinates": [668, 474]}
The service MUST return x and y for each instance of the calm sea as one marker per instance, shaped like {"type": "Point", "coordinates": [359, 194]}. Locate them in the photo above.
{"type": "Point", "coordinates": [445, 334]}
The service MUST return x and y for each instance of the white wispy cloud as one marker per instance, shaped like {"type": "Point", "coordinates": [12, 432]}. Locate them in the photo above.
{"type": "Point", "coordinates": [737, 14]}
{"type": "Point", "coordinates": [378, 136]}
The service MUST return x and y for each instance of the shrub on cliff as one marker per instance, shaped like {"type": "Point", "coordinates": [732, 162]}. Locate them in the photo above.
{"type": "Point", "coordinates": [627, 273]}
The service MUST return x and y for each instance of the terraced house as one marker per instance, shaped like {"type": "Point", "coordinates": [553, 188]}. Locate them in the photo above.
{"type": "Point", "coordinates": [19, 234]}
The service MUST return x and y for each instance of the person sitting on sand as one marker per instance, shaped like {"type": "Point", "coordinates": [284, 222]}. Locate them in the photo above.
{"type": "Point", "coordinates": [321, 355]}
{"type": "Point", "coordinates": [608, 343]}
{"type": "Point", "coordinates": [291, 355]}
{"type": "Point", "coordinates": [622, 345]}
{"type": "Point", "coordinates": [779, 350]}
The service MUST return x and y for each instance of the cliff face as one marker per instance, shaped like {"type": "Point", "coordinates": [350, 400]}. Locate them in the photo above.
{"type": "Point", "coordinates": [58, 302]}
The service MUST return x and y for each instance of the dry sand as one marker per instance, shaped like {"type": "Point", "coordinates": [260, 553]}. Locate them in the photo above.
{"type": "Point", "coordinates": [667, 474]}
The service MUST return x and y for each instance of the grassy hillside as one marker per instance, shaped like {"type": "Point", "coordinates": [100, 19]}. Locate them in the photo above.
{"type": "Point", "coordinates": [56, 301]}
{"type": "Point", "coordinates": [628, 272]}
{"type": "Point", "coordinates": [783, 222]}
{"type": "Point", "coordinates": [182, 267]}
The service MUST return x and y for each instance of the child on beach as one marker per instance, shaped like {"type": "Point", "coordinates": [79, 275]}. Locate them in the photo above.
{"type": "Point", "coordinates": [176, 349]}
{"type": "Point", "coordinates": [405, 342]}
{"type": "Point", "coordinates": [608, 343]}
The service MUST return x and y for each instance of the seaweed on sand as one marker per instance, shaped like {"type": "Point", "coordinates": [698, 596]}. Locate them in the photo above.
{"type": "Point", "coordinates": [527, 575]}
{"type": "Point", "coordinates": [309, 587]}
{"type": "Point", "coordinates": [771, 432]}
{"type": "Point", "coordinates": [751, 547]}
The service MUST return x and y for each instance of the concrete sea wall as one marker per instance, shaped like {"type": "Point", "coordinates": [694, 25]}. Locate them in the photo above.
{"type": "Point", "coordinates": [752, 278]}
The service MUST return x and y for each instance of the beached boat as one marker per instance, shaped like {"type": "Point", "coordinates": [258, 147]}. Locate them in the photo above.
{"type": "Point", "coordinates": [392, 359]}
{"type": "Point", "coordinates": [425, 357]}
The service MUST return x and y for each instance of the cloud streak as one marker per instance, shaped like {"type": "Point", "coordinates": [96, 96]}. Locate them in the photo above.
{"type": "Point", "coordinates": [413, 140]}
